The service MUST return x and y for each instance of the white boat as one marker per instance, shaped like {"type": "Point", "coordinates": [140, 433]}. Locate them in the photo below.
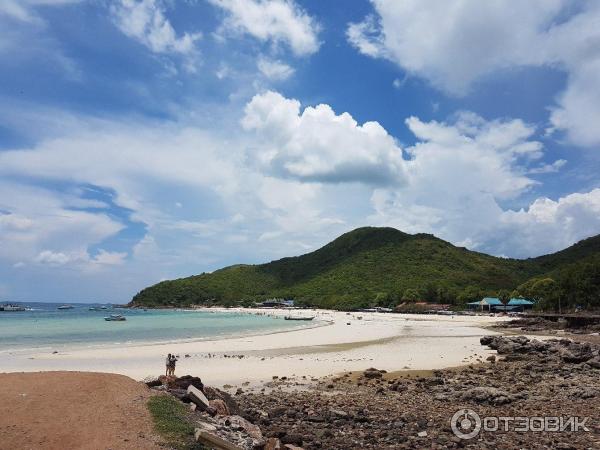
{"type": "Point", "coordinates": [8, 307]}
{"type": "Point", "coordinates": [115, 318]}
{"type": "Point", "coordinates": [66, 307]}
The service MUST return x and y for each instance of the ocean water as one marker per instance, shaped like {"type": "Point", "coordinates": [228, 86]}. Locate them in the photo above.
{"type": "Point", "coordinates": [46, 327]}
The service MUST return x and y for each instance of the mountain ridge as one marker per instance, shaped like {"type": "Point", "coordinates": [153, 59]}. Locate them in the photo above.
{"type": "Point", "coordinates": [366, 266]}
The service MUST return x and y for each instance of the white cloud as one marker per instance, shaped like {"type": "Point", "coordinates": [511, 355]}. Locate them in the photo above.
{"type": "Point", "coordinates": [37, 220]}
{"type": "Point", "coordinates": [274, 69]}
{"type": "Point", "coordinates": [273, 21]}
{"type": "Point", "coordinates": [318, 145]}
{"type": "Point", "coordinates": [474, 39]}
{"type": "Point", "coordinates": [145, 21]}
{"type": "Point", "coordinates": [25, 38]}
{"type": "Point", "coordinates": [460, 174]}
{"type": "Point", "coordinates": [549, 168]}
{"type": "Point", "coordinates": [548, 225]}
{"type": "Point", "coordinates": [297, 178]}
{"type": "Point", "coordinates": [24, 10]}
{"type": "Point", "coordinates": [366, 37]}
{"type": "Point", "coordinates": [109, 258]}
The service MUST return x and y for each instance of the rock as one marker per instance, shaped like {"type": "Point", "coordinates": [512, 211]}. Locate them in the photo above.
{"type": "Point", "coordinates": [594, 362]}
{"type": "Point", "coordinates": [154, 383]}
{"type": "Point", "coordinates": [292, 447]}
{"type": "Point", "coordinates": [220, 407]}
{"type": "Point", "coordinates": [294, 439]}
{"type": "Point", "coordinates": [181, 394]}
{"type": "Point", "coordinates": [217, 394]}
{"type": "Point", "coordinates": [206, 426]}
{"type": "Point", "coordinates": [422, 434]}
{"type": "Point", "coordinates": [372, 373]}
{"type": "Point", "coordinates": [214, 440]}
{"type": "Point", "coordinates": [241, 423]}
{"type": "Point", "coordinates": [582, 392]}
{"type": "Point", "coordinates": [198, 397]}
{"type": "Point", "coordinates": [491, 358]}
{"type": "Point", "coordinates": [489, 395]}
{"type": "Point", "coordinates": [273, 444]}
{"type": "Point", "coordinates": [184, 381]}
{"type": "Point", "coordinates": [338, 413]}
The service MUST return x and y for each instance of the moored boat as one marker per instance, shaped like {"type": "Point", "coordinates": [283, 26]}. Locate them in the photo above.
{"type": "Point", "coordinates": [9, 307]}
{"type": "Point", "coordinates": [66, 307]}
{"type": "Point", "coordinates": [115, 318]}
{"type": "Point", "coordinates": [298, 318]}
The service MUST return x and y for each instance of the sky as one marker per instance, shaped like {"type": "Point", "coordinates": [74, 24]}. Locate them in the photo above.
{"type": "Point", "coordinates": [143, 140]}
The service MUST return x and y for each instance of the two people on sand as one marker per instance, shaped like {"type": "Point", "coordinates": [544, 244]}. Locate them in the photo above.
{"type": "Point", "coordinates": [170, 363]}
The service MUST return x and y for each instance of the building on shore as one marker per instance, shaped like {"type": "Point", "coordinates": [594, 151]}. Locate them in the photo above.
{"type": "Point", "coordinates": [276, 303]}
{"type": "Point", "coordinates": [520, 304]}
{"type": "Point", "coordinates": [494, 304]}
{"type": "Point", "coordinates": [486, 304]}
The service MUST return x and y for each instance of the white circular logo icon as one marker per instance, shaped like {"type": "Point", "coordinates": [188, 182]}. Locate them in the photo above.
{"type": "Point", "coordinates": [465, 423]}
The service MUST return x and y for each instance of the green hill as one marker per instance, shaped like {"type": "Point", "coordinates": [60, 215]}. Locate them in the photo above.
{"type": "Point", "coordinates": [365, 267]}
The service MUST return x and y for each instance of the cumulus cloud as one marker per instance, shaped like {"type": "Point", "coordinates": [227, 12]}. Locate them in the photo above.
{"type": "Point", "coordinates": [275, 21]}
{"type": "Point", "coordinates": [208, 199]}
{"type": "Point", "coordinates": [145, 21]}
{"type": "Point", "coordinates": [36, 220]}
{"type": "Point", "coordinates": [460, 174]}
{"type": "Point", "coordinates": [547, 225]}
{"type": "Point", "coordinates": [474, 39]}
{"type": "Point", "coordinates": [274, 69]}
{"type": "Point", "coordinates": [318, 145]}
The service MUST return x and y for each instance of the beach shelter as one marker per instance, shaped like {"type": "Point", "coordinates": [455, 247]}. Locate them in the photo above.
{"type": "Point", "coordinates": [520, 304]}
{"type": "Point", "coordinates": [487, 303]}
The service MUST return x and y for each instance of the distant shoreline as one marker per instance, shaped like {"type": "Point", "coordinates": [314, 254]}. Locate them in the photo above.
{"type": "Point", "coordinates": [388, 341]}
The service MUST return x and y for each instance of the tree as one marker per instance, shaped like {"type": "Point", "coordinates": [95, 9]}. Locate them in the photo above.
{"type": "Point", "coordinates": [546, 293]}
{"type": "Point", "coordinates": [410, 295]}
{"type": "Point", "coordinates": [503, 295]}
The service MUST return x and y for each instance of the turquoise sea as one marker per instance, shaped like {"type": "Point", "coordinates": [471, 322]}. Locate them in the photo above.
{"type": "Point", "coordinates": [45, 326]}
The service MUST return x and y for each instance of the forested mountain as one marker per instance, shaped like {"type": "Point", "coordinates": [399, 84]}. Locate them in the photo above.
{"type": "Point", "coordinates": [383, 266]}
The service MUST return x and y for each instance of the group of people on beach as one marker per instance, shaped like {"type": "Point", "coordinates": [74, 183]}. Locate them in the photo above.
{"type": "Point", "coordinates": [170, 363]}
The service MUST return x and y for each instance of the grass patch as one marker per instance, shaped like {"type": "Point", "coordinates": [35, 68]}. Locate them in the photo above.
{"type": "Point", "coordinates": [172, 421]}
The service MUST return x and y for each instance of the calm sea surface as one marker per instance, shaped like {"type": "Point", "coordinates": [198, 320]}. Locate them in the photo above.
{"type": "Point", "coordinates": [45, 326]}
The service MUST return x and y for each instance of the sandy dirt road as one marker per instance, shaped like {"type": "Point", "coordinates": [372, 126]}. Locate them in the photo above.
{"type": "Point", "coordinates": [74, 410]}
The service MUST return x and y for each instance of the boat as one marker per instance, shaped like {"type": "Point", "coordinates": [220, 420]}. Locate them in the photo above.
{"type": "Point", "coordinates": [98, 308]}
{"type": "Point", "coordinates": [66, 307]}
{"type": "Point", "coordinates": [115, 318]}
{"type": "Point", "coordinates": [9, 307]}
{"type": "Point", "coordinates": [298, 318]}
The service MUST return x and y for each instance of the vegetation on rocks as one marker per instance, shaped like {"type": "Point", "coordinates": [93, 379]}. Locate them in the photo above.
{"type": "Point", "coordinates": [384, 267]}
{"type": "Point", "coordinates": [172, 422]}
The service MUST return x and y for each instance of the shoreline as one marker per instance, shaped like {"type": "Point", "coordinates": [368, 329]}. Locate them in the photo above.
{"type": "Point", "coordinates": [387, 341]}
{"type": "Point", "coordinates": [105, 345]}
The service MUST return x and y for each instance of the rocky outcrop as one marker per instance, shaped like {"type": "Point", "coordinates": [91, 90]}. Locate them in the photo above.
{"type": "Point", "coordinates": [383, 411]}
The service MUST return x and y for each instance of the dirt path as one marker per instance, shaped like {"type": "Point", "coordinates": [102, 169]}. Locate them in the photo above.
{"type": "Point", "coordinates": [74, 410]}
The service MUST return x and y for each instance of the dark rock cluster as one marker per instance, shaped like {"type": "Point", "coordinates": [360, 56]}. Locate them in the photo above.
{"type": "Point", "coordinates": [378, 410]}
{"type": "Point", "coordinates": [413, 410]}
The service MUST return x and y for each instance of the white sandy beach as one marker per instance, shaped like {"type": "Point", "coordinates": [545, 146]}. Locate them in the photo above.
{"type": "Point", "coordinates": [386, 341]}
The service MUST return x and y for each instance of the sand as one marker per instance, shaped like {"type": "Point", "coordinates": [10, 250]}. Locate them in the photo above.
{"type": "Point", "coordinates": [70, 410]}
{"type": "Point", "coordinates": [343, 342]}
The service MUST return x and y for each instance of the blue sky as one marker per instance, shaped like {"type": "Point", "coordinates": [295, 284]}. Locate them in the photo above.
{"type": "Point", "coordinates": [143, 140]}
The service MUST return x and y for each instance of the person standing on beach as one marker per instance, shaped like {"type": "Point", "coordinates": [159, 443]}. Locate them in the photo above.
{"type": "Point", "coordinates": [172, 365]}
{"type": "Point", "coordinates": [168, 365]}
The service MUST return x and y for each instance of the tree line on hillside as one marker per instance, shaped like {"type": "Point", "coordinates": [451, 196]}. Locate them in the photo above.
{"type": "Point", "coordinates": [577, 285]}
